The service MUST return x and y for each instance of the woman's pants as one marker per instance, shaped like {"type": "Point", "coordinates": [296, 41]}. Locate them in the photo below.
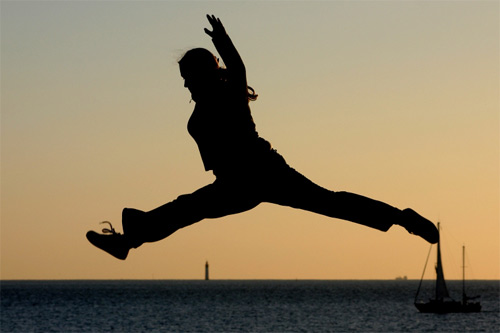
{"type": "Point", "coordinates": [236, 192]}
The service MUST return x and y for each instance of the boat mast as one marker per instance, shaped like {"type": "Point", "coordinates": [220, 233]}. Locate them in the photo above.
{"type": "Point", "coordinates": [464, 300]}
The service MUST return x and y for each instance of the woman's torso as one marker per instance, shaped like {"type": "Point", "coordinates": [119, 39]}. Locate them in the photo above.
{"type": "Point", "coordinates": [225, 133]}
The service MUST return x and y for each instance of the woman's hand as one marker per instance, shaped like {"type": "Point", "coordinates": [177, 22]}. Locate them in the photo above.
{"type": "Point", "coordinates": [217, 27]}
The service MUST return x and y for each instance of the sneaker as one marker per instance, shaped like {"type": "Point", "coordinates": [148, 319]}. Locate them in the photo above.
{"type": "Point", "coordinates": [420, 226]}
{"type": "Point", "coordinates": [113, 244]}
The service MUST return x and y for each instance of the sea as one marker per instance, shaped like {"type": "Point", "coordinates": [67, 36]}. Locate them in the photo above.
{"type": "Point", "coordinates": [238, 306]}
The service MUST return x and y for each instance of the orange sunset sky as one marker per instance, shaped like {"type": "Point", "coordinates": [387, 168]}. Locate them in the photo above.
{"type": "Point", "coordinates": [395, 100]}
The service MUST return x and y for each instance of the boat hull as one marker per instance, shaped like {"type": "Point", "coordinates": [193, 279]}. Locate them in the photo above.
{"type": "Point", "coordinates": [435, 306]}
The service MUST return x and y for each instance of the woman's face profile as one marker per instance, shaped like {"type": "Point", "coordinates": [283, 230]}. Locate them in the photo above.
{"type": "Point", "coordinates": [196, 82]}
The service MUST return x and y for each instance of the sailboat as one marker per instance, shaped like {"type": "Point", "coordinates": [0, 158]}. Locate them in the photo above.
{"type": "Point", "coordinates": [443, 303]}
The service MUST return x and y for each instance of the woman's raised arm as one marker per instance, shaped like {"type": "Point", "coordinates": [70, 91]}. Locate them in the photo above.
{"type": "Point", "coordinates": [227, 51]}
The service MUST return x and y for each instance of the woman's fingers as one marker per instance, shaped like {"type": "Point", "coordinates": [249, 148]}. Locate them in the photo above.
{"type": "Point", "coordinates": [217, 27]}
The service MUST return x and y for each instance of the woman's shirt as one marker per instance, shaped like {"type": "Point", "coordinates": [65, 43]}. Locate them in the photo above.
{"type": "Point", "coordinates": [222, 126]}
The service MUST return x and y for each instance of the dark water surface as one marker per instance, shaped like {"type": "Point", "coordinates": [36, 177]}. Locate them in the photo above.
{"type": "Point", "coordinates": [236, 306]}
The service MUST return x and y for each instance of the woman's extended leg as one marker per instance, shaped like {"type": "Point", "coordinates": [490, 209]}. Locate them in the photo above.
{"type": "Point", "coordinates": [216, 200]}
{"type": "Point", "coordinates": [290, 188]}
{"type": "Point", "coordinates": [212, 201]}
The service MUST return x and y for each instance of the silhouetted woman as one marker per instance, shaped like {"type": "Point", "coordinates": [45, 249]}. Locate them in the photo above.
{"type": "Point", "coordinates": [248, 171]}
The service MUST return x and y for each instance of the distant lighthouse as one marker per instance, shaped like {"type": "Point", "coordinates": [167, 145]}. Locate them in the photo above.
{"type": "Point", "coordinates": [206, 271]}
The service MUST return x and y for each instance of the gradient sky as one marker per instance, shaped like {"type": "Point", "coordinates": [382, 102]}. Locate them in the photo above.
{"type": "Point", "coordinates": [398, 101]}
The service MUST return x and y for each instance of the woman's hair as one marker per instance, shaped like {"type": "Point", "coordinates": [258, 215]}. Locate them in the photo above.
{"type": "Point", "coordinates": [202, 61]}
{"type": "Point", "coordinates": [199, 60]}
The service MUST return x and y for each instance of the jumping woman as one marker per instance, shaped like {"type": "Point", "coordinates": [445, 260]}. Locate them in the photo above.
{"type": "Point", "coordinates": [247, 170]}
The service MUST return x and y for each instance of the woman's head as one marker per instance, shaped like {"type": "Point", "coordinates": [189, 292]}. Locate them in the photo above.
{"type": "Point", "coordinates": [201, 73]}
{"type": "Point", "coordinates": [200, 69]}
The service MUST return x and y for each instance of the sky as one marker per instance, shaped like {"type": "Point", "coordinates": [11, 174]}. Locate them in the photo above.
{"type": "Point", "coordinates": [394, 100]}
